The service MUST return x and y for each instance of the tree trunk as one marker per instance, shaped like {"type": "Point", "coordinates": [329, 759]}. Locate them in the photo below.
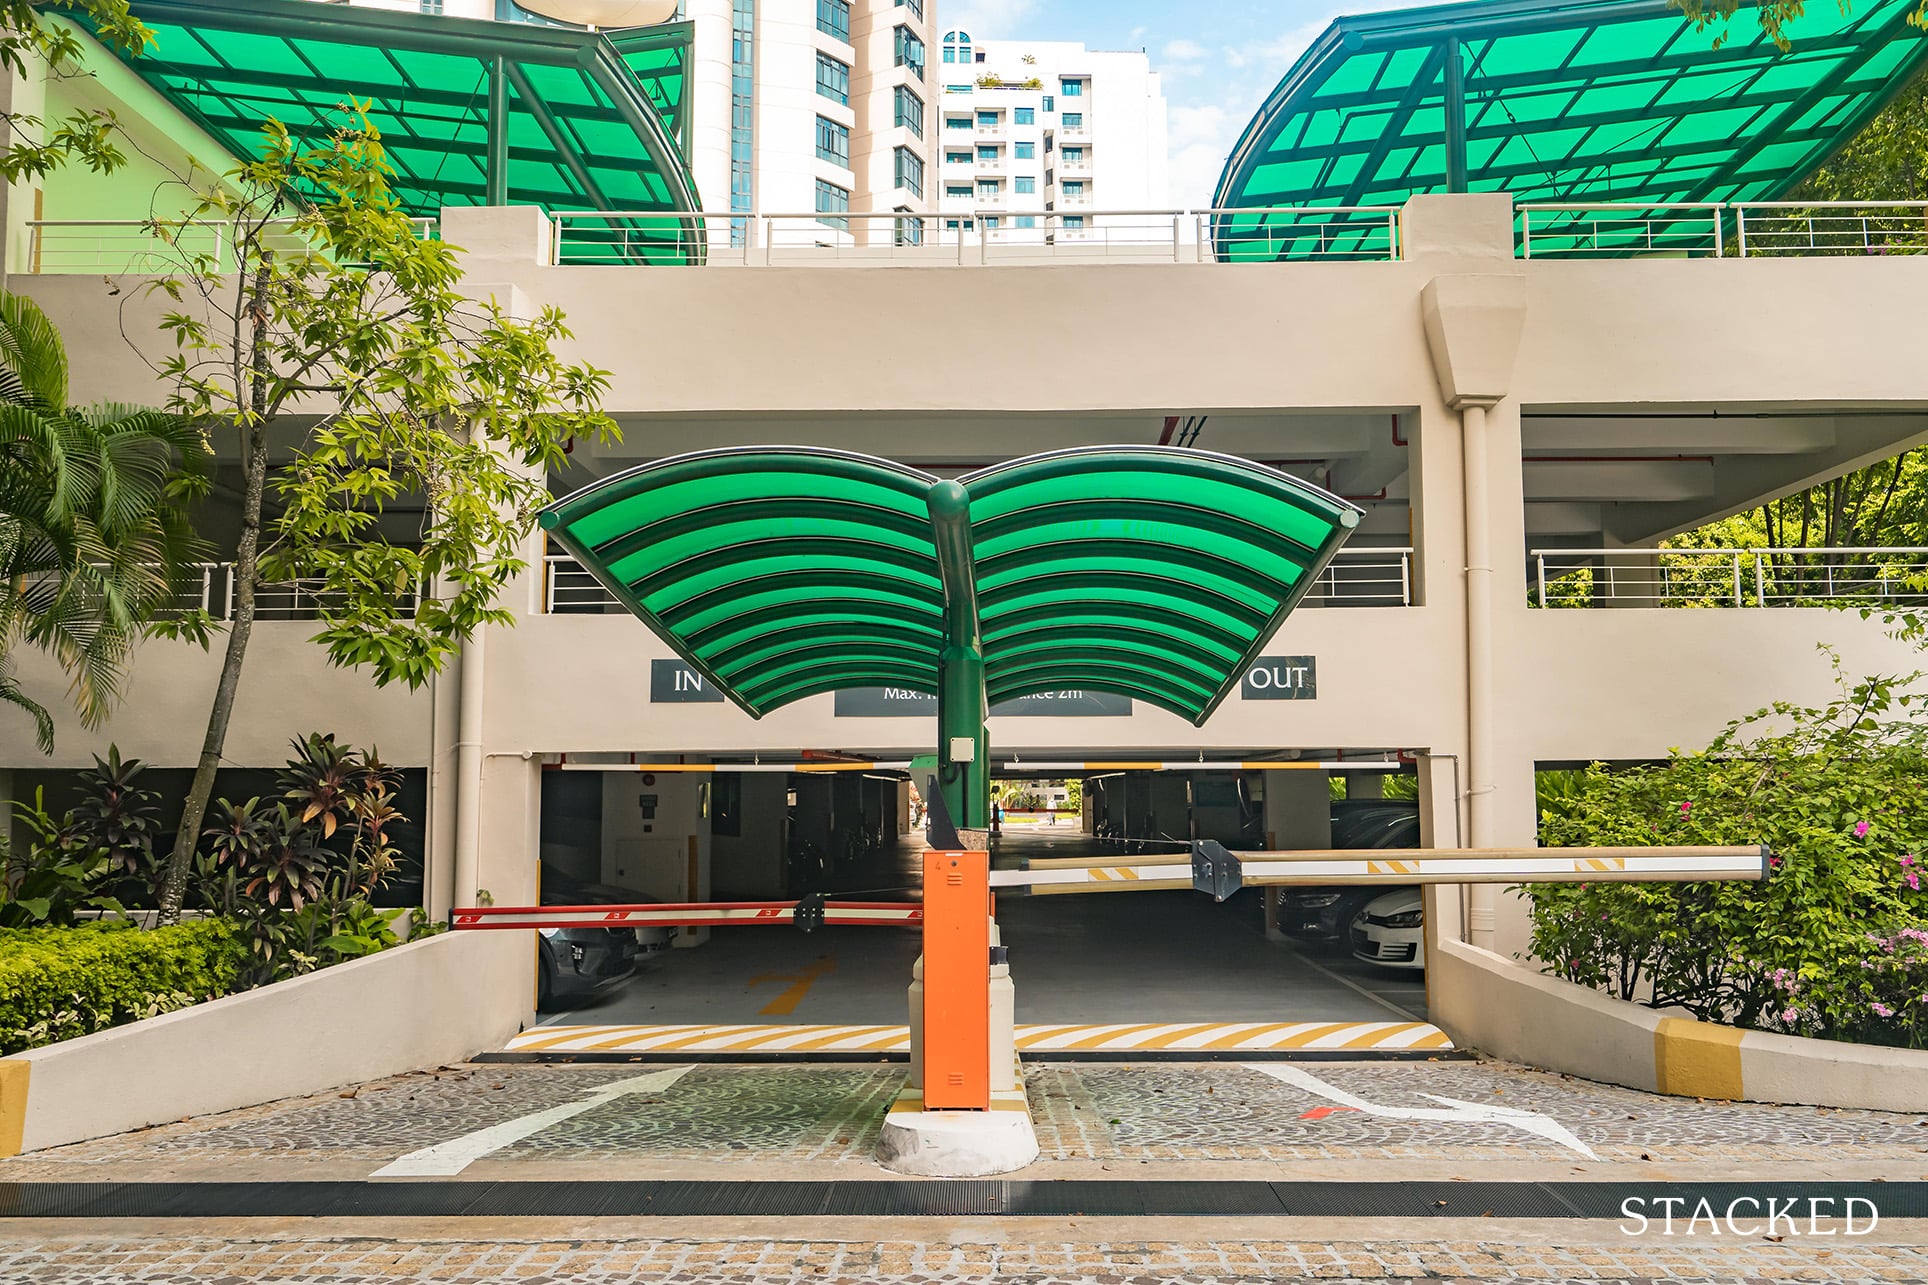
{"type": "Point", "coordinates": [247, 562]}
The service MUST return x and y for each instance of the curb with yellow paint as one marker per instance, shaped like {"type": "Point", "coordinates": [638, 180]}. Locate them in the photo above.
{"type": "Point", "coordinates": [1698, 1059]}
{"type": "Point", "coordinates": [14, 1074]}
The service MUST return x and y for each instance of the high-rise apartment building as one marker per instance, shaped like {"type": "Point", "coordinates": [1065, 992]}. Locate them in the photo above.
{"type": "Point", "coordinates": [1045, 134]}
{"type": "Point", "coordinates": [797, 105]}
{"type": "Point", "coordinates": [811, 105]}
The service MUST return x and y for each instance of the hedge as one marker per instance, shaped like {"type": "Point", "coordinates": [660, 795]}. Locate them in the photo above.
{"type": "Point", "coordinates": [59, 983]}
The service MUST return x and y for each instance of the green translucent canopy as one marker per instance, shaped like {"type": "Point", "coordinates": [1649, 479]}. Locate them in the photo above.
{"type": "Point", "coordinates": [471, 112]}
{"type": "Point", "coordinates": [1575, 101]}
{"type": "Point", "coordinates": [1150, 572]}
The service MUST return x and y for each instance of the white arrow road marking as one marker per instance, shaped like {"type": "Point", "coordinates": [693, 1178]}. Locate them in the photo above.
{"type": "Point", "coordinates": [445, 1159]}
{"type": "Point", "coordinates": [1461, 1112]}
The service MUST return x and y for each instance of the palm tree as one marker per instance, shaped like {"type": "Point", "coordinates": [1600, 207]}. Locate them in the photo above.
{"type": "Point", "coordinates": [94, 536]}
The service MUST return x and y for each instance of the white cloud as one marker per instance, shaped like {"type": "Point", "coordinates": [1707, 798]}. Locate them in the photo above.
{"type": "Point", "coordinates": [1200, 138]}
{"type": "Point", "coordinates": [1182, 50]}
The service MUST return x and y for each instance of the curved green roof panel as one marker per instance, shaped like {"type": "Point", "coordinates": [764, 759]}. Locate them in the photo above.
{"type": "Point", "coordinates": [1151, 572]}
{"type": "Point", "coordinates": [1565, 101]}
{"type": "Point", "coordinates": [777, 573]}
{"type": "Point", "coordinates": [470, 112]}
{"type": "Point", "coordinates": [1163, 571]}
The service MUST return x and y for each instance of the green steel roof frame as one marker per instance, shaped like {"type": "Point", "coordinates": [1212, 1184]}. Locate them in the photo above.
{"type": "Point", "coordinates": [781, 573]}
{"type": "Point", "coordinates": [1561, 101]}
{"type": "Point", "coordinates": [471, 112]}
{"type": "Point", "coordinates": [659, 59]}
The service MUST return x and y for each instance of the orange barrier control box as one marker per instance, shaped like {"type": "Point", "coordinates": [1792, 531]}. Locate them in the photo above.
{"type": "Point", "coordinates": [957, 981]}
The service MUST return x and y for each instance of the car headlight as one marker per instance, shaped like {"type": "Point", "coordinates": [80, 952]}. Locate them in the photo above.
{"type": "Point", "coordinates": [1316, 900]}
{"type": "Point", "coordinates": [1409, 919]}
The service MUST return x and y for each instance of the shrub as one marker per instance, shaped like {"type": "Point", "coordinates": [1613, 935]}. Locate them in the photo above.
{"type": "Point", "coordinates": [1830, 944]}
{"type": "Point", "coordinates": [60, 983]}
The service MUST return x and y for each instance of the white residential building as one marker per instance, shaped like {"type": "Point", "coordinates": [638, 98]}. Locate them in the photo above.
{"type": "Point", "coordinates": [1039, 135]}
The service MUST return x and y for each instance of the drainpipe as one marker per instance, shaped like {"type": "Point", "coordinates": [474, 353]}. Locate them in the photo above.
{"type": "Point", "coordinates": [1479, 661]}
{"type": "Point", "coordinates": [468, 774]}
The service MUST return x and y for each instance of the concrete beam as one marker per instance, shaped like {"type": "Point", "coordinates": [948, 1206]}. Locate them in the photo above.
{"type": "Point", "coordinates": [1637, 480]}
{"type": "Point", "coordinates": [1678, 434]}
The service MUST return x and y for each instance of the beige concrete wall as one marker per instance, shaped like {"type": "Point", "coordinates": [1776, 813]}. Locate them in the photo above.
{"type": "Point", "coordinates": [1486, 1002]}
{"type": "Point", "coordinates": [423, 1004]}
{"type": "Point", "coordinates": [287, 689]}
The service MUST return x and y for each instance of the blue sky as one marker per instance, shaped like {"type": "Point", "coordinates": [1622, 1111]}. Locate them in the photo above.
{"type": "Point", "coordinates": [1219, 58]}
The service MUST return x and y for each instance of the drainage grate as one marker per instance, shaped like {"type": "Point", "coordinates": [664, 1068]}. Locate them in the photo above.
{"type": "Point", "coordinates": [927, 1199]}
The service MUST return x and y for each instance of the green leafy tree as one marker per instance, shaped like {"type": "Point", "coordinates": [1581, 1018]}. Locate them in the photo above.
{"type": "Point", "coordinates": [1772, 15]}
{"type": "Point", "coordinates": [94, 532]}
{"type": "Point", "coordinates": [30, 44]}
{"type": "Point", "coordinates": [336, 323]}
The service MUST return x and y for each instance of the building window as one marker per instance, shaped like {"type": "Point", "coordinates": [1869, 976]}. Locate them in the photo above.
{"type": "Point", "coordinates": [1024, 116]}
{"type": "Point", "coordinates": [1024, 185]}
{"type": "Point", "coordinates": [987, 152]}
{"type": "Point", "coordinates": [957, 47]}
{"type": "Point", "coordinates": [957, 122]}
{"type": "Point", "coordinates": [989, 187]}
{"type": "Point", "coordinates": [990, 224]}
{"type": "Point", "coordinates": [958, 190]}
{"type": "Point", "coordinates": [1072, 155]}
{"type": "Point", "coordinates": [832, 199]}
{"type": "Point", "coordinates": [1024, 151]}
{"type": "Point", "coordinates": [1074, 187]}
{"type": "Point", "coordinates": [1074, 120]}
{"type": "Point", "coordinates": [833, 79]}
{"type": "Point", "coordinates": [910, 110]}
{"type": "Point", "coordinates": [742, 117]}
{"type": "Point", "coordinates": [916, 7]}
{"type": "Point", "coordinates": [1074, 221]}
{"type": "Point", "coordinates": [987, 120]}
{"type": "Point", "coordinates": [833, 142]}
{"type": "Point", "coordinates": [957, 89]}
{"type": "Point", "coordinates": [910, 51]}
{"type": "Point", "coordinates": [909, 227]}
{"type": "Point", "coordinates": [430, 6]}
{"type": "Point", "coordinates": [1025, 221]}
{"type": "Point", "coordinates": [1050, 103]}
{"type": "Point", "coordinates": [833, 18]}
{"type": "Point", "coordinates": [1071, 88]}
{"type": "Point", "coordinates": [910, 171]}
{"type": "Point", "coordinates": [957, 158]}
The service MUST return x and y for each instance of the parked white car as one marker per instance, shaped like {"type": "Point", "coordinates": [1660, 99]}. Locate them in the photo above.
{"type": "Point", "coordinates": [1391, 930]}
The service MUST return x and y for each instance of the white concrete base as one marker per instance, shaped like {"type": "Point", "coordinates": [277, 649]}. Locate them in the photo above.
{"type": "Point", "coordinates": [957, 1144]}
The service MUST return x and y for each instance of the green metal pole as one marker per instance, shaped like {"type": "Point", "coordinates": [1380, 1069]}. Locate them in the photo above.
{"type": "Point", "coordinates": [497, 176]}
{"type": "Point", "coordinates": [1455, 118]}
{"type": "Point", "coordinates": [962, 708]}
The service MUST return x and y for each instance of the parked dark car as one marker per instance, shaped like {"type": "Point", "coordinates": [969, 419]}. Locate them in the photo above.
{"type": "Point", "coordinates": [575, 963]}
{"type": "Point", "coordinates": [1325, 914]}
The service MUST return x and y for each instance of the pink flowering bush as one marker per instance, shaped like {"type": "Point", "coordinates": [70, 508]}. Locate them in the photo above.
{"type": "Point", "coordinates": [1834, 944]}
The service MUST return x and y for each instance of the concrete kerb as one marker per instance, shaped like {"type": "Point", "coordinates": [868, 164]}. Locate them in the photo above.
{"type": "Point", "coordinates": [423, 1004]}
{"type": "Point", "coordinates": [1487, 1002]}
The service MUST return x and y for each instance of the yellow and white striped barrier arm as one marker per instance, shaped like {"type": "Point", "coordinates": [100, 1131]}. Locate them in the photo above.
{"type": "Point", "coordinates": [1099, 874]}
{"type": "Point", "coordinates": [1502, 865]}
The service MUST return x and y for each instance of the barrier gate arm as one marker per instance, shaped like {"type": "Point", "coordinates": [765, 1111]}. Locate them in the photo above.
{"type": "Point", "coordinates": [814, 912]}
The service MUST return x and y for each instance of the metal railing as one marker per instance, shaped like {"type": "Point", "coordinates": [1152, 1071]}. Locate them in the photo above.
{"type": "Point", "coordinates": [1615, 230]}
{"type": "Point", "coordinates": [1729, 577]}
{"type": "Point", "coordinates": [981, 236]}
{"type": "Point", "coordinates": [1368, 577]}
{"type": "Point", "coordinates": [137, 247]}
{"type": "Point", "coordinates": [1743, 229]}
{"type": "Point", "coordinates": [1837, 228]}
{"type": "Point", "coordinates": [211, 587]}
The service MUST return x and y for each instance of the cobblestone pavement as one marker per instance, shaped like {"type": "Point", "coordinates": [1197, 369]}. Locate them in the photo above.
{"type": "Point", "coordinates": [807, 1115]}
{"type": "Point", "coordinates": [171, 1259]}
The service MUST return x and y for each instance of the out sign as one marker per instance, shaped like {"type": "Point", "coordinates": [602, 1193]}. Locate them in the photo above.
{"type": "Point", "coordinates": [1282, 678]}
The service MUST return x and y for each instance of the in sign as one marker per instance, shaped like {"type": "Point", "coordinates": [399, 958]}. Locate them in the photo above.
{"type": "Point", "coordinates": [674, 682]}
{"type": "Point", "coordinates": [1282, 678]}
